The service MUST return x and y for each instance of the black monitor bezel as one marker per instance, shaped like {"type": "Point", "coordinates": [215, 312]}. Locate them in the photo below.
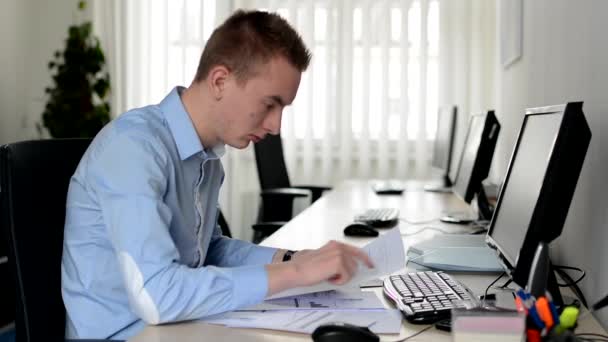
{"type": "Point", "coordinates": [483, 157]}
{"type": "Point", "coordinates": [557, 190]}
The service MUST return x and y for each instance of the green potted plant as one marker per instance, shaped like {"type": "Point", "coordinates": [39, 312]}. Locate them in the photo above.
{"type": "Point", "coordinates": [78, 102]}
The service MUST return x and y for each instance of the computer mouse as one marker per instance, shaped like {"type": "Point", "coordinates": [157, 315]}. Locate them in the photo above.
{"type": "Point", "coordinates": [388, 191]}
{"type": "Point", "coordinates": [338, 332]}
{"type": "Point", "coordinates": [360, 229]}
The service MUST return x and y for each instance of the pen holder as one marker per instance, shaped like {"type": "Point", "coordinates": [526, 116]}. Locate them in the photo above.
{"type": "Point", "coordinates": [543, 322]}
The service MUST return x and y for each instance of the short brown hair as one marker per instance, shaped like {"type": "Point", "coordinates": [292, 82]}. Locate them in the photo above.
{"type": "Point", "coordinates": [249, 38]}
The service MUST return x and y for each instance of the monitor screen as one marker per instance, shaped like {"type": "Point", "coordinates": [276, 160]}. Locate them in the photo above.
{"type": "Point", "coordinates": [521, 190]}
{"type": "Point", "coordinates": [477, 154]}
{"type": "Point", "coordinates": [444, 139]}
{"type": "Point", "coordinates": [469, 154]}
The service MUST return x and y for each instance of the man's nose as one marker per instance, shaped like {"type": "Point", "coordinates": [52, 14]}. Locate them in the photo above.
{"type": "Point", "coordinates": [272, 123]}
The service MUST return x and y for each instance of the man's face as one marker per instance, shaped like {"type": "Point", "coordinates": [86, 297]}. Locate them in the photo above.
{"type": "Point", "coordinates": [253, 109]}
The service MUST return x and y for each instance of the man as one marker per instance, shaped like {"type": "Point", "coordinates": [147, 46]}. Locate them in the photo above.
{"type": "Point", "coordinates": [142, 245]}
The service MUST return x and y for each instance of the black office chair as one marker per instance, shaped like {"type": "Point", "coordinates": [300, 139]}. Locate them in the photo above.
{"type": "Point", "coordinates": [221, 220]}
{"type": "Point", "coordinates": [34, 178]}
{"type": "Point", "coordinates": [7, 289]}
{"type": "Point", "coordinates": [277, 192]}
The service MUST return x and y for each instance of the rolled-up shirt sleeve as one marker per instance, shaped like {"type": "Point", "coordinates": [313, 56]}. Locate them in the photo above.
{"type": "Point", "coordinates": [130, 180]}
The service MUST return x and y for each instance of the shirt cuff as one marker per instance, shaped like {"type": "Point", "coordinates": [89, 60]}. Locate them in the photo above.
{"type": "Point", "coordinates": [250, 285]}
{"type": "Point", "coordinates": [261, 256]}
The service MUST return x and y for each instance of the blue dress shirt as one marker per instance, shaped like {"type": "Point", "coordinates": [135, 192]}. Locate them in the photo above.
{"type": "Point", "coordinates": [142, 244]}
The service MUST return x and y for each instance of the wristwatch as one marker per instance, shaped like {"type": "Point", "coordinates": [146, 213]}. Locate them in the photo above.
{"type": "Point", "coordinates": [288, 254]}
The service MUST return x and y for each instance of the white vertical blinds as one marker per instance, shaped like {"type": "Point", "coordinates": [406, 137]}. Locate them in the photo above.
{"type": "Point", "coordinates": [366, 108]}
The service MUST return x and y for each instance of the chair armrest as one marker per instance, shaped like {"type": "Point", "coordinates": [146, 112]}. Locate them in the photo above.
{"type": "Point", "coordinates": [263, 230]}
{"type": "Point", "coordinates": [317, 191]}
{"type": "Point", "coordinates": [285, 192]}
{"type": "Point", "coordinates": [268, 227]}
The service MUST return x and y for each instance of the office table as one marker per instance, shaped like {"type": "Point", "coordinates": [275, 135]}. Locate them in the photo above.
{"type": "Point", "coordinates": [324, 221]}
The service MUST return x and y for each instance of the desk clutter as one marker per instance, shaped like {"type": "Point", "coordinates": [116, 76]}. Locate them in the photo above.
{"type": "Point", "coordinates": [304, 309]}
{"type": "Point", "coordinates": [305, 313]}
{"type": "Point", "coordinates": [546, 162]}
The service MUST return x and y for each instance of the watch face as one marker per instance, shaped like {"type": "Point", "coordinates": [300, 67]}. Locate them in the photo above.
{"type": "Point", "coordinates": [287, 255]}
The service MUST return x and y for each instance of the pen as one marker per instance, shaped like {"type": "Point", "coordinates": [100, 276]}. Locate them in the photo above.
{"type": "Point", "coordinates": [544, 312]}
{"type": "Point", "coordinates": [525, 298]}
{"type": "Point", "coordinates": [556, 320]}
{"type": "Point", "coordinates": [536, 318]}
{"type": "Point", "coordinates": [519, 304]}
{"type": "Point", "coordinates": [567, 319]}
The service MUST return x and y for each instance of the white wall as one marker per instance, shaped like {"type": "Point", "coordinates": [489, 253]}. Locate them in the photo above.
{"type": "Point", "coordinates": [11, 48]}
{"type": "Point", "coordinates": [565, 58]}
{"type": "Point", "coordinates": [30, 32]}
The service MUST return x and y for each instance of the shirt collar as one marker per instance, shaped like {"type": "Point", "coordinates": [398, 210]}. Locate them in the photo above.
{"type": "Point", "coordinates": [182, 128]}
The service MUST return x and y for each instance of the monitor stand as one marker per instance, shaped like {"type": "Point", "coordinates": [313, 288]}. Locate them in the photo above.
{"type": "Point", "coordinates": [444, 187]}
{"type": "Point", "coordinates": [553, 288]}
{"type": "Point", "coordinates": [486, 210]}
{"type": "Point", "coordinates": [540, 273]}
{"type": "Point", "coordinates": [484, 207]}
{"type": "Point", "coordinates": [457, 218]}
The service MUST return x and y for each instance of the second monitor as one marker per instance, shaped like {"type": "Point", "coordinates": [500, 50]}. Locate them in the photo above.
{"type": "Point", "coordinates": [475, 162]}
{"type": "Point", "coordinates": [539, 186]}
{"type": "Point", "coordinates": [443, 148]}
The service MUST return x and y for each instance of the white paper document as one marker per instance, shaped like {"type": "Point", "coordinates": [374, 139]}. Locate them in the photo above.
{"type": "Point", "coordinates": [387, 321]}
{"type": "Point", "coordinates": [327, 300]}
{"type": "Point", "coordinates": [387, 254]}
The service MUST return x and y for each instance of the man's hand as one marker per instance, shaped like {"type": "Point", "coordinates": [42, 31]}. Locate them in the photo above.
{"type": "Point", "coordinates": [335, 262]}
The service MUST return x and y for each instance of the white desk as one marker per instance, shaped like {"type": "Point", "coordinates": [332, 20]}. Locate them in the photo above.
{"type": "Point", "coordinates": [324, 221]}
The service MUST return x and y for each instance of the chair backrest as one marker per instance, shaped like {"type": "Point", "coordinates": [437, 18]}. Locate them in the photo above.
{"type": "Point", "coordinates": [221, 220]}
{"type": "Point", "coordinates": [34, 182]}
{"type": "Point", "coordinates": [272, 170]}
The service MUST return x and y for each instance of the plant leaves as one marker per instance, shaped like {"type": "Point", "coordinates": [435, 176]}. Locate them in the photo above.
{"type": "Point", "coordinates": [77, 103]}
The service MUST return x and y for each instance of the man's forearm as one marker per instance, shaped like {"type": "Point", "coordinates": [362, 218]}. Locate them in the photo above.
{"type": "Point", "coordinates": [281, 276]}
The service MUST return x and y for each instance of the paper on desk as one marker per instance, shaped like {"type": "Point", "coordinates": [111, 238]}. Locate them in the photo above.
{"type": "Point", "coordinates": [326, 300]}
{"type": "Point", "coordinates": [386, 321]}
{"type": "Point", "coordinates": [387, 254]}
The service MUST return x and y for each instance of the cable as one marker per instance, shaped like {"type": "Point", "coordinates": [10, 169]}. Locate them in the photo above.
{"type": "Point", "coordinates": [600, 303]}
{"type": "Point", "coordinates": [559, 269]}
{"type": "Point", "coordinates": [485, 295]}
{"type": "Point", "coordinates": [417, 222]}
{"type": "Point", "coordinates": [426, 228]}
{"type": "Point", "coordinates": [574, 282]}
{"type": "Point", "coordinates": [414, 334]}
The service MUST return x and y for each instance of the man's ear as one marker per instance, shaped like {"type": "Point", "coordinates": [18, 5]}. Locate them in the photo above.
{"type": "Point", "coordinates": [216, 80]}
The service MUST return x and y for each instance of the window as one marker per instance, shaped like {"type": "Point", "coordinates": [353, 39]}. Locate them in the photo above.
{"type": "Point", "coordinates": [375, 60]}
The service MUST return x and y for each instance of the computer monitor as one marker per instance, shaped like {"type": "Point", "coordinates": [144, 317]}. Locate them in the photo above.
{"type": "Point", "coordinates": [477, 155]}
{"type": "Point", "coordinates": [538, 188]}
{"type": "Point", "coordinates": [444, 142]}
